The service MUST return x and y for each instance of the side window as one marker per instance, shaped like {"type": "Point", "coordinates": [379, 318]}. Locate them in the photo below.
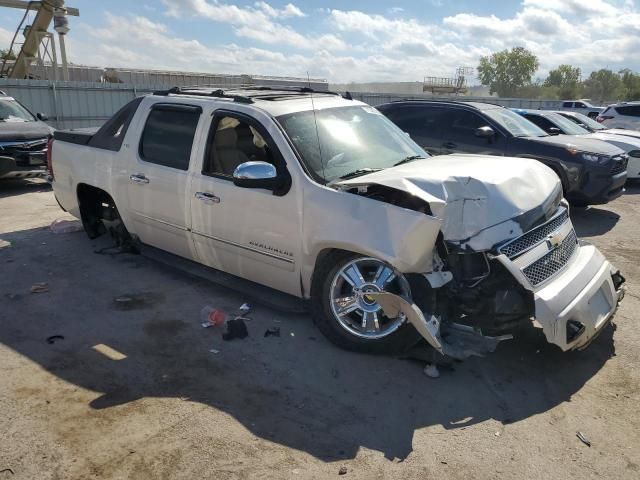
{"type": "Point", "coordinates": [567, 105]}
{"type": "Point", "coordinates": [111, 134]}
{"type": "Point", "coordinates": [542, 122]}
{"type": "Point", "coordinates": [419, 120]}
{"type": "Point", "coordinates": [580, 105]}
{"type": "Point", "coordinates": [232, 142]}
{"type": "Point", "coordinates": [463, 124]}
{"type": "Point", "coordinates": [167, 137]}
{"type": "Point", "coordinates": [631, 110]}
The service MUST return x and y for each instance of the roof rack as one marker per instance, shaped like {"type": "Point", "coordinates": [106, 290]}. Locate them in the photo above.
{"type": "Point", "coordinates": [203, 92]}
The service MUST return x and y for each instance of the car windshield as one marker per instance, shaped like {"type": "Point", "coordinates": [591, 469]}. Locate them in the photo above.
{"type": "Point", "coordinates": [337, 142]}
{"type": "Point", "coordinates": [12, 111]}
{"type": "Point", "coordinates": [567, 126]}
{"type": "Point", "coordinates": [584, 120]}
{"type": "Point", "coordinates": [515, 124]}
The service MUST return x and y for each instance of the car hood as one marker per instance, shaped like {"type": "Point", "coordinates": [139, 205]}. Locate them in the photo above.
{"type": "Point", "coordinates": [482, 200]}
{"type": "Point", "coordinates": [10, 131]}
{"type": "Point", "coordinates": [622, 131]}
{"type": "Point", "coordinates": [581, 143]}
{"type": "Point", "coordinates": [625, 143]}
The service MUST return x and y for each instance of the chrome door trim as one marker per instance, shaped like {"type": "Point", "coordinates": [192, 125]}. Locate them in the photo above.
{"type": "Point", "coordinates": [244, 247]}
{"type": "Point", "coordinates": [184, 229]}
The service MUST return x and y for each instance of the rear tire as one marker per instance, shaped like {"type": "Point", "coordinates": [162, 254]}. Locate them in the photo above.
{"type": "Point", "coordinates": [382, 335]}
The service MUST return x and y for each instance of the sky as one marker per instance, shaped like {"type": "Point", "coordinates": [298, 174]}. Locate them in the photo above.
{"type": "Point", "coordinates": [357, 41]}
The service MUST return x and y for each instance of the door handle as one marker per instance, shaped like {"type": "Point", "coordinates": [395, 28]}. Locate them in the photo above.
{"type": "Point", "coordinates": [207, 197]}
{"type": "Point", "coordinates": [450, 145]}
{"type": "Point", "coordinates": [138, 178]}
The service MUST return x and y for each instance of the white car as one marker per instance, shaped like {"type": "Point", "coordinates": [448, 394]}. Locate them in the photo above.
{"type": "Point", "coordinates": [621, 115]}
{"type": "Point", "coordinates": [583, 106]}
{"type": "Point", "coordinates": [325, 199]}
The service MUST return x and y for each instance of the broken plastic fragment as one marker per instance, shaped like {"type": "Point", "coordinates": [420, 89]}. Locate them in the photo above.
{"type": "Point", "coordinates": [40, 287]}
{"type": "Point", "coordinates": [235, 328]}
{"type": "Point", "coordinates": [431, 371]}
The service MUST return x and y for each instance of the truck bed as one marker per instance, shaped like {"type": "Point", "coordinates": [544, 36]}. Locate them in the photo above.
{"type": "Point", "coordinates": [78, 136]}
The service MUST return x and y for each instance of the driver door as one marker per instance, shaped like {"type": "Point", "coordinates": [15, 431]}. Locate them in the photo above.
{"type": "Point", "coordinates": [248, 232]}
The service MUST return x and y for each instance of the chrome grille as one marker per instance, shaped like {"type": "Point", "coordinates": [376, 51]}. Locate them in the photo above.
{"type": "Point", "coordinates": [552, 262]}
{"type": "Point", "coordinates": [619, 166]}
{"type": "Point", "coordinates": [533, 237]}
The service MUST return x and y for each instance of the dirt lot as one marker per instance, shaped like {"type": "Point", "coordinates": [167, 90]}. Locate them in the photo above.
{"type": "Point", "coordinates": [153, 402]}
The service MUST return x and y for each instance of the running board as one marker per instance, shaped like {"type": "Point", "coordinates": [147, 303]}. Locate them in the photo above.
{"type": "Point", "coordinates": [254, 292]}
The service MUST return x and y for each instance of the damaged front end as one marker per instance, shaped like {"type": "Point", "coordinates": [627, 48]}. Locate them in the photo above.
{"type": "Point", "coordinates": [507, 256]}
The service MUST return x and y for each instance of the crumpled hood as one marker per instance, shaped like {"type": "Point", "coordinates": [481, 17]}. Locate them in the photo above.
{"type": "Point", "coordinates": [581, 143]}
{"type": "Point", "coordinates": [10, 131]}
{"type": "Point", "coordinates": [482, 200]}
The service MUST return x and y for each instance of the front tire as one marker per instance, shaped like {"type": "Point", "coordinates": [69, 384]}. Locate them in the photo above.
{"type": "Point", "coordinates": [347, 317]}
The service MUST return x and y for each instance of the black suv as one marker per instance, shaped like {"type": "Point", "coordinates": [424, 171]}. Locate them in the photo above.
{"type": "Point", "coordinates": [592, 171]}
{"type": "Point", "coordinates": [23, 140]}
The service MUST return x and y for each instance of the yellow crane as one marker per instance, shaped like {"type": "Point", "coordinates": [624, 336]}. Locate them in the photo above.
{"type": "Point", "coordinates": [37, 35]}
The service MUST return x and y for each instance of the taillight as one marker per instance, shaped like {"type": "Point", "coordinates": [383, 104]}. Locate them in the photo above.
{"type": "Point", "coordinates": [602, 118]}
{"type": "Point", "coordinates": [49, 161]}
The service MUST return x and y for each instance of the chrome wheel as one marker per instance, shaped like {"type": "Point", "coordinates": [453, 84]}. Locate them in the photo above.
{"type": "Point", "coordinates": [357, 312]}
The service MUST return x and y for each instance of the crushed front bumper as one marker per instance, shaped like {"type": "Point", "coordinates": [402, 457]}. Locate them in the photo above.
{"type": "Point", "coordinates": [574, 307]}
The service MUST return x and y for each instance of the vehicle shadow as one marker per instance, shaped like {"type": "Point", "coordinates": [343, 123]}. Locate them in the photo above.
{"type": "Point", "coordinates": [296, 390]}
{"type": "Point", "coordinates": [11, 187]}
{"type": "Point", "coordinates": [593, 221]}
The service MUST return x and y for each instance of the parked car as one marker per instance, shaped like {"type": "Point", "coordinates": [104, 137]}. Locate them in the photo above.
{"type": "Point", "coordinates": [323, 198]}
{"type": "Point", "coordinates": [591, 171]}
{"type": "Point", "coordinates": [595, 127]}
{"type": "Point", "coordinates": [621, 115]}
{"type": "Point", "coordinates": [23, 140]}
{"type": "Point", "coordinates": [582, 106]}
{"type": "Point", "coordinates": [553, 123]}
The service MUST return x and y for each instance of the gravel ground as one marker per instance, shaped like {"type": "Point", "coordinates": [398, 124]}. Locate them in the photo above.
{"type": "Point", "coordinates": [133, 391]}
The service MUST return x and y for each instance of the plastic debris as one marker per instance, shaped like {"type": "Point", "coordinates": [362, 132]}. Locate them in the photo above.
{"type": "Point", "coordinates": [245, 308]}
{"type": "Point", "coordinates": [66, 226]}
{"type": "Point", "coordinates": [583, 439]}
{"type": "Point", "coordinates": [235, 328]}
{"type": "Point", "coordinates": [431, 371]}
{"type": "Point", "coordinates": [212, 317]}
{"type": "Point", "coordinates": [40, 287]}
{"type": "Point", "coordinates": [272, 332]}
{"type": "Point", "coordinates": [342, 471]}
{"type": "Point", "coordinates": [214, 351]}
{"type": "Point", "coordinates": [53, 338]}
{"type": "Point", "coordinates": [497, 434]}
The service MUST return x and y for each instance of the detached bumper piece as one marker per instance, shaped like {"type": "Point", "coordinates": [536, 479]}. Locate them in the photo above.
{"type": "Point", "coordinates": [454, 340]}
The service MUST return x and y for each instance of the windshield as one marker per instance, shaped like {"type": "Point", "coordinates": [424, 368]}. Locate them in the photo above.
{"type": "Point", "coordinates": [515, 124]}
{"type": "Point", "coordinates": [567, 126]}
{"type": "Point", "coordinates": [350, 139]}
{"type": "Point", "coordinates": [12, 111]}
{"type": "Point", "coordinates": [583, 119]}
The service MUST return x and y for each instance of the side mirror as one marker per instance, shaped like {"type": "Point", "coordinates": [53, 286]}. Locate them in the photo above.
{"type": "Point", "coordinates": [42, 117]}
{"type": "Point", "coordinates": [634, 153]}
{"type": "Point", "coordinates": [484, 132]}
{"type": "Point", "coordinates": [554, 131]}
{"type": "Point", "coordinates": [256, 175]}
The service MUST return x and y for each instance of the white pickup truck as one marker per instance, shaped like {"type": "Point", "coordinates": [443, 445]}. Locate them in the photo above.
{"type": "Point", "coordinates": [325, 199]}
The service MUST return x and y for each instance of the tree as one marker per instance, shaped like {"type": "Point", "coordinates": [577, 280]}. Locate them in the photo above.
{"type": "Point", "coordinates": [507, 71]}
{"type": "Point", "coordinates": [6, 54]}
{"type": "Point", "coordinates": [604, 85]}
{"type": "Point", "coordinates": [631, 84]}
{"type": "Point", "coordinates": [567, 80]}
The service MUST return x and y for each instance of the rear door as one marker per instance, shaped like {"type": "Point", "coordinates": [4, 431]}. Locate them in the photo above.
{"type": "Point", "coordinates": [158, 177]}
{"type": "Point", "coordinates": [544, 123]}
{"type": "Point", "coordinates": [460, 125]}
{"type": "Point", "coordinates": [248, 232]}
{"type": "Point", "coordinates": [422, 123]}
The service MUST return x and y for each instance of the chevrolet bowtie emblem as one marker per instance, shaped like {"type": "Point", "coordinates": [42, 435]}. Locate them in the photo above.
{"type": "Point", "coordinates": [554, 240]}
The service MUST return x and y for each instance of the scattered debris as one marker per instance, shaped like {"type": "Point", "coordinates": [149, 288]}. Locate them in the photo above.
{"type": "Point", "coordinates": [53, 338]}
{"type": "Point", "coordinates": [66, 226]}
{"type": "Point", "coordinates": [40, 287]}
{"type": "Point", "coordinates": [212, 317]}
{"type": "Point", "coordinates": [4, 244]}
{"type": "Point", "coordinates": [245, 308]}
{"type": "Point", "coordinates": [235, 328]}
{"type": "Point", "coordinates": [272, 332]}
{"type": "Point", "coordinates": [214, 351]}
{"type": "Point", "coordinates": [498, 433]}
{"type": "Point", "coordinates": [583, 439]}
{"type": "Point", "coordinates": [7, 470]}
{"type": "Point", "coordinates": [431, 370]}
{"type": "Point", "coordinates": [342, 471]}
